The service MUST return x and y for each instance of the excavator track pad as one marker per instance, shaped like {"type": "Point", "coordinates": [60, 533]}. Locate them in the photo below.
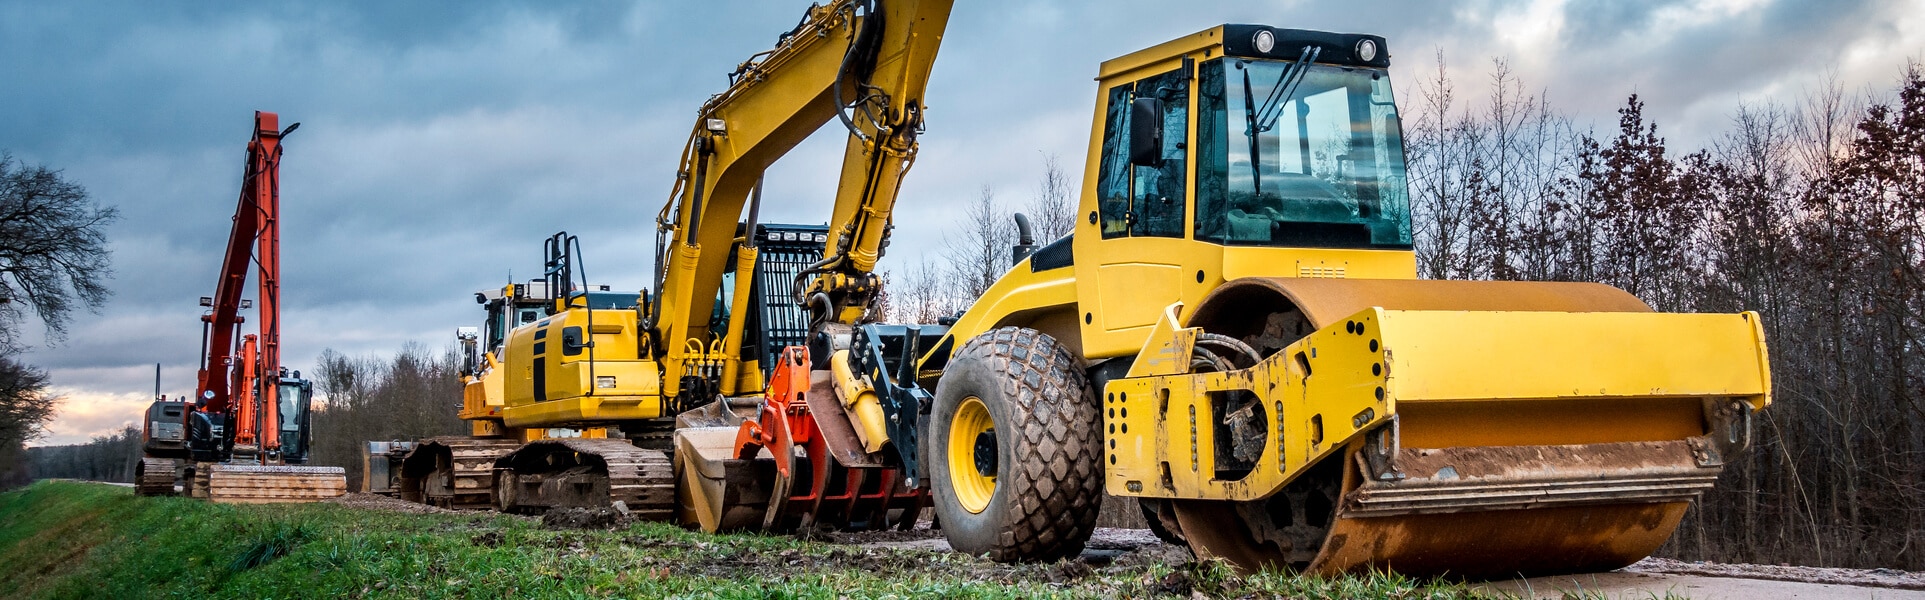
{"type": "Point", "coordinates": [156, 477]}
{"type": "Point", "coordinates": [456, 472]}
{"type": "Point", "coordinates": [586, 473]}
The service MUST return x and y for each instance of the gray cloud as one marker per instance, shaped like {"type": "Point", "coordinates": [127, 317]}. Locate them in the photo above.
{"type": "Point", "coordinates": [441, 143]}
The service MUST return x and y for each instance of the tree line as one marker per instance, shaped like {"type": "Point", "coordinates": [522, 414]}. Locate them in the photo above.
{"type": "Point", "coordinates": [412, 394]}
{"type": "Point", "coordinates": [109, 457]}
{"type": "Point", "coordinates": [53, 259]}
{"type": "Point", "coordinates": [1811, 213]}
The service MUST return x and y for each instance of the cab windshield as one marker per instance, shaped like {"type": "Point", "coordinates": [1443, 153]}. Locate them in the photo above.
{"type": "Point", "coordinates": [294, 413]}
{"type": "Point", "coordinates": [1299, 155]}
{"type": "Point", "coordinates": [293, 399]}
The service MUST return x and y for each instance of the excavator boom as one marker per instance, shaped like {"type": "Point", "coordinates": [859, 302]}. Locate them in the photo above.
{"type": "Point", "coordinates": [863, 63]}
{"type": "Point", "coordinates": [256, 224]}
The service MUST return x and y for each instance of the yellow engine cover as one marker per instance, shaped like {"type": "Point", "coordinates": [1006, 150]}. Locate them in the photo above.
{"type": "Point", "coordinates": [579, 367]}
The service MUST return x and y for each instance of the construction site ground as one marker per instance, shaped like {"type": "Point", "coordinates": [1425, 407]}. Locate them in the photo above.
{"type": "Point", "coordinates": [68, 539]}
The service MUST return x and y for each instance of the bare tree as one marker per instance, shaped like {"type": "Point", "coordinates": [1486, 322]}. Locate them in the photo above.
{"type": "Point", "coordinates": [412, 394]}
{"type": "Point", "coordinates": [53, 248]}
{"type": "Point", "coordinates": [921, 293]}
{"type": "Point", "coordinates": [25, 408]}
{"type": "Point", "coordinates": [1053, 210]}
{"type": "Point", "coordinates": [979, 253]}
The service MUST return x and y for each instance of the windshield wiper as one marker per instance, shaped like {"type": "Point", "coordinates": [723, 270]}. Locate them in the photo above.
{"type": "Point", "coordinates": [1262, 119]}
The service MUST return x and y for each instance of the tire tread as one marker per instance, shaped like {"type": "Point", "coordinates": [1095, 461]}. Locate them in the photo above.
{"type": "Point", "coordinates": [1057, 479]}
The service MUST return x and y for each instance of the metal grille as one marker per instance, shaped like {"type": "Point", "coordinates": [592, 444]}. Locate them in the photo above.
{"type": "Point", "coordinates": [1320, 272]}
{"type": "Point", "coordinates": [785, 251]}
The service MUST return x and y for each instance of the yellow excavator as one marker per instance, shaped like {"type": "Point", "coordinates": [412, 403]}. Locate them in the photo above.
{"type": "Point", "coordinates": [1233, 335]}
{"type": "Point", "coordinates": [457, 471]}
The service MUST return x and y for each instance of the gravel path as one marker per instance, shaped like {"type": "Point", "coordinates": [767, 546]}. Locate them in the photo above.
{"type": "Point", "coordinates": [1629, 585]}
{"type": "Point", "coordinates": [1886, 578]}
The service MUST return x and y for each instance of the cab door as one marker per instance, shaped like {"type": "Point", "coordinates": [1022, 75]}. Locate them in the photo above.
{"type": "Point", "coordinates": [1135, 220]}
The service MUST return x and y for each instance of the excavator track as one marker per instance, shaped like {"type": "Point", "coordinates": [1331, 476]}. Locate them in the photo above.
{"type": "Point", "coordinates": [455, 472]}
{"type": "Point", "coordinates": [156, 477]}
{"type": "Point", "coordinates": [589, 473]}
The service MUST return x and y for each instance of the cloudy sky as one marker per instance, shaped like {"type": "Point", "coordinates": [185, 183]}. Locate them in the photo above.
{"type": "Point", "coordinates": [442, 141]}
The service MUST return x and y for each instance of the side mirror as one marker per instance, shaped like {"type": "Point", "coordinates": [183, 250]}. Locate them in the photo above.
{"type": "Point", "coordinates": [1146, 132]}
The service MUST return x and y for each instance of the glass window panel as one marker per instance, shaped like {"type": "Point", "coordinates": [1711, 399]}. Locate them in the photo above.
{"type": "Point", "coordinates": [1315, 162]}
{"type": "Point", "coordinates": [1159, 199]}
{"type": "Point", "coordinates": [1113, 185]}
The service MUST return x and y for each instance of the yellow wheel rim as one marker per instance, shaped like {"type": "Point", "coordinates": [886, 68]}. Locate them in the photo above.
{"type": "Point", "coordinates": [972, 455]}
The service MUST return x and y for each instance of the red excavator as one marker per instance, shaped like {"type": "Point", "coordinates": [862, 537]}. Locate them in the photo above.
{"type": "Point", "coordinates": [245, 433]}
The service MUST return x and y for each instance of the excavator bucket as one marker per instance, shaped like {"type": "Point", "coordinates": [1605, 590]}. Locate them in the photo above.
{"type": "Point", "coordinates": [797, 462]}
{"type": "Point", "coordinates": [716, 490]}
{"type": "Point", "coordinates": [1471, 429]}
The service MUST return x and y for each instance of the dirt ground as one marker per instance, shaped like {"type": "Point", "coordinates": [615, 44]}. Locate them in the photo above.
{"type": "Point", "coordinates": [380, 502]}
{"type": "Point", "coordinates": [1119, 547]}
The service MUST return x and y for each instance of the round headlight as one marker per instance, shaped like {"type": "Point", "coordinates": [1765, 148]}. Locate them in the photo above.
{"type": "Point", "coordinates": [1265, 41]}
{"type": "Point", "coordinates": [1367, 50]}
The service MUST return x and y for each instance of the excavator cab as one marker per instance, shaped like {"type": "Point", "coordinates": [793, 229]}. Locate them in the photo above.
{"type": "Point", "coordinates": [297, 404]}
{"type": "Point", "coordinates": [774, 321]}
{"type": "Point", "coordinates": [164, 429]}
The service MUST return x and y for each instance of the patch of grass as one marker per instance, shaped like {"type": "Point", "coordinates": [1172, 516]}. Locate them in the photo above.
{"type": "Point", "coordinates": [72, 540]}
{"type": "Point", "coordinates": [280, 539]}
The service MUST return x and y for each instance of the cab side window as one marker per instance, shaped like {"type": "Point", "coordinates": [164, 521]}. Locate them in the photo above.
{"type": "Point", "coordinates": [1113, 187]}
{"type": "Point", "coordinates": [1143, 200]}
{"type": "Point", "coordinates": [1158, 202]}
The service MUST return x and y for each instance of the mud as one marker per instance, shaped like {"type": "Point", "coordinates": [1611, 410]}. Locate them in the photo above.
{"type": "Point", "coordinates": [585, 518]}
{"type": "Point", "coordinates": [380, 502]}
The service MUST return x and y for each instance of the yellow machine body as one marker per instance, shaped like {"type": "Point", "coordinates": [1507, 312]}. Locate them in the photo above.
{"type": "Point", "coordinates": [576, 369]}
{"type": "Point", "coordinates": [1470, 428]}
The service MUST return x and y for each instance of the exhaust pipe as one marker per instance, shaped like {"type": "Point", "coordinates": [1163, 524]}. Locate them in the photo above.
{"type": "Point", "coordinates": [1025, 241]}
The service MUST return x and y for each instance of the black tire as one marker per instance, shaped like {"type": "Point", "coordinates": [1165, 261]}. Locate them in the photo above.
{"type": "Point", "coordinates": [1049, 478]}
{"type": "Point", "coordinates": [1161, 517]}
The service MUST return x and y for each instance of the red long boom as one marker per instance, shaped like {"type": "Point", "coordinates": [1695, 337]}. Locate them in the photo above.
{"type": "Point", "coordinates": [254, 239]}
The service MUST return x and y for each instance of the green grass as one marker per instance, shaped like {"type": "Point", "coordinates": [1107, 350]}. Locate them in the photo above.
{"type": "Point", "coordinates": [74, 540]}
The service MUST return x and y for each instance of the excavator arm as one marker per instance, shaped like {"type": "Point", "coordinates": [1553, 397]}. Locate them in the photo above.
{"type": "Point", "coordinates": [863, 63]}
{"type": "Point", "coordinates": [255, 238]}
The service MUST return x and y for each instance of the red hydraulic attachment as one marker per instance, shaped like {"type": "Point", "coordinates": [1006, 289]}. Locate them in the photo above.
{"type": "Point", "coordinates": [246, 401]}
{"type": "Point", "coordinates": [816, 488]}
{"type": "Point", "coordinates": [256, 238]}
